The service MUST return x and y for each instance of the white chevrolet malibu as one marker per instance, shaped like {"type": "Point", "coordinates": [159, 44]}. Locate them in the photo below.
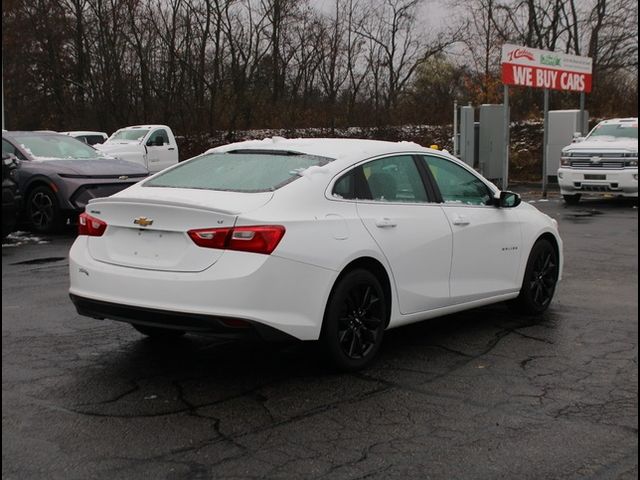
{"type": "Point", "coordinates": [316, 239]}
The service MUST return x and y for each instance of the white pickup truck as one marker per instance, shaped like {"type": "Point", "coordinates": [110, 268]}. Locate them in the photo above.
{"type": "Point", "coordinates": [605, 162]}
{"type": "Point", "coordinates": [153, 146]}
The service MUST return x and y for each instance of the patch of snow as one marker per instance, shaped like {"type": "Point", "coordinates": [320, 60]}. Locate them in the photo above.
{"type": "Point", "coordinates": [19, 238]}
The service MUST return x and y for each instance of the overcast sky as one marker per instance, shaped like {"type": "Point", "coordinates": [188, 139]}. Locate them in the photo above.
{"type": "Point", "coordinates": [432, 12]}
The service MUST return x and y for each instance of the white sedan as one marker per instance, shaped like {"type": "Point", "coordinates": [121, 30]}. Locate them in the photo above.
{"type": "Point", "coordinates": [316, 239]}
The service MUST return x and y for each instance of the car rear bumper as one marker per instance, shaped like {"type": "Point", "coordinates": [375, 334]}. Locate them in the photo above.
{"type": "Point", "coordinates": [281, 294]}
{"type": "Point", "coordinates": [220, 326]}
{"type": "Point", "coordinates": [622, 182]}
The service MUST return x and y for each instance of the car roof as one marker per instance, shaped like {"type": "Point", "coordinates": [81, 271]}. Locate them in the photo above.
{"type": "Point", "coordinates": [344, 150]}
{"type": "Point", "coordinates": [145, 127]}
{"type": "Point", "coordinates": [21, 133]}
{"type": "Point", "coordinates": [83, 132]}
{"type": "Point", "coordinates": [619, 120]}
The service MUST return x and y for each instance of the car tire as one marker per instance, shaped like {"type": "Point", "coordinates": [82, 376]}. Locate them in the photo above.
{"type": "Point", "coordinates": [158, 332]}
{"type": "Point", "coordinates": [572, 199]}
{"type": "Point", "coordinates": [354, 321]}
{"type": "Point", "coordinates": [42, 211]}
{"type": "Point", "coordinates": [540, 279]}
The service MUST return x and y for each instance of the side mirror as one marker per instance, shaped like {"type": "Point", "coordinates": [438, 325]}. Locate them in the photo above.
{"type": "Point", "coordinates": [577, 137]}
{"type": "Point", "coordinates": [508, 200]}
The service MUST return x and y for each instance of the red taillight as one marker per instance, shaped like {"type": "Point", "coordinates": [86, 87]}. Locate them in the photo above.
{"type": "Point", "coordinates": [260, 239]}
{"type": "Point", "coordinates": [91, 226]}
{"type": "Point", "coordinates": [256, 239]}
{"type": "Point", "coordinates": [210, 237]}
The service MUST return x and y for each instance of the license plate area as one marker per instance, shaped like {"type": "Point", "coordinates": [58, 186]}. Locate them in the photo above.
{"type": "Point", "coordinates": [152, 250]}
{"type": "Point", "coordinates": [154, 244]}
{"type": "Point", "coordinates": [595, 177]}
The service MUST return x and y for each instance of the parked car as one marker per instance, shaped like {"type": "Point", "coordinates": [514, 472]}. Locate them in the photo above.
{"type": "Point", "coordinates": [90, 138]}
{"type": "Point", "coordinates": [153, 146]}
{"type": "Point", "coordinates": [58, 175]}
{"type": "Point", "coordinates": [11, 198]}
{"type": "Point", "coordinates": [326, 239]}
{"type": "Point", "coordinates": [605, 162]}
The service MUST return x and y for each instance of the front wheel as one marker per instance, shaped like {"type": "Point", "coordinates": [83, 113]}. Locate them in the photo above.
{"type": "Point", "coordinates": [354, 321]}
{"type": "Point", "coordinates": [571, 199]}
{"type": "Point", "coordinates": [42, 211]}
{"type": "Point", "coordinates": [540, 278]}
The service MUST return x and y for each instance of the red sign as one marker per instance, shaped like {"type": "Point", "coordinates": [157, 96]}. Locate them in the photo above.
{"type": "Point", "coordinates": [530, 67]}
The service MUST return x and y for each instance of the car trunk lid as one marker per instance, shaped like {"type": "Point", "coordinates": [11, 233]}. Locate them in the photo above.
{"type": "Point", "coordinates": [149, 229]}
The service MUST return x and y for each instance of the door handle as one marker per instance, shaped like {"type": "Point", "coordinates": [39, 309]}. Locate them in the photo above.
{"type": "Point", "coordinates": [386, 223]}
{"type": "Point", "coordinates": [460, 220]}
{"type": "Point", "coordinates": [154, 160]}
{"type": "Point", "coordinates": [170, 148]}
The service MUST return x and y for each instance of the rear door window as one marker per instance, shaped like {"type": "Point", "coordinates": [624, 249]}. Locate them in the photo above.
{"type": "Point", "coordinates": [255, 171]}
{"type": "Point", "coordinates": [395, 179]}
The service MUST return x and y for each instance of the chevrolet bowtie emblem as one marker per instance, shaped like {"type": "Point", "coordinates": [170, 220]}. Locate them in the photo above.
{"type": "Point", "coordinates": [143, 221]}
{"type": "Point", "coordinates": [123, 177]}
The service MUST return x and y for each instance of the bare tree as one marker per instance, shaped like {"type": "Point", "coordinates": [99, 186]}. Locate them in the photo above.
{"type": "Point", "coordinates": [333, 64]}
{"type": "Point", "coordinates": [391, 29]}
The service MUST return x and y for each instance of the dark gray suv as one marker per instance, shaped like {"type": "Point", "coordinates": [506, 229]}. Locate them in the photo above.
{"type": "Point", "coordinates": [58, 175]}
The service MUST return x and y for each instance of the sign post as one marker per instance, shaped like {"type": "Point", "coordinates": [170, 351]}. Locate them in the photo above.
{"type": "Point", "coordinates": [545, 140]}
{"type": "Point", "coordinates": [505, 167]}
{"type": "Point", "coordinates": [582, 122]}
{"type": "Point", "coordinates": [530, 67]}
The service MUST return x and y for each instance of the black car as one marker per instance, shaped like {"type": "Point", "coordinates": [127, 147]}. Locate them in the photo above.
{"type": "Point", "coordinates": [58, 175]}
{"type": "Point", "coordinates": [11, 199]}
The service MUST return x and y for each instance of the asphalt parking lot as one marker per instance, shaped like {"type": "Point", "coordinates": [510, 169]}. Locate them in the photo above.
{"type": "Point", "coordinates": [482, 394]}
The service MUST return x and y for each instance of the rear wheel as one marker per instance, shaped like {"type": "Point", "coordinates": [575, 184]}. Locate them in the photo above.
{"type": "Point", "coordinates": [540, 278]}
{"type": "Point", "coordinates": [42, 211]}
{"type": "Point", "coordinates": [355, 319]}
{"type": "Point", "coordinates": [572, 199]}
{"type": "Point", "coordinates": [158, 332]}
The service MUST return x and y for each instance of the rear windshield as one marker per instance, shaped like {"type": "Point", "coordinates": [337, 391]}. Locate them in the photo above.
{"type": "Point", "coordinates": [92, 139]}
{"type": "Point", "coordinates": [238, 171]}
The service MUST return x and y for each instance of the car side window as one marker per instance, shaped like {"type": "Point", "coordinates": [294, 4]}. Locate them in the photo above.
{"type": "Point", "coordinates": [456, 184]}
{"type": "Point", "coordinates": [394, 179]}
{"type": "Point", "coordinates": [345, 186]}
{"type": "Point", "coordinates": [161, 133]}
{"type": "Point", "coordinates": [9, 148]}
{"type": "Point", "coordinates": [93, 139]}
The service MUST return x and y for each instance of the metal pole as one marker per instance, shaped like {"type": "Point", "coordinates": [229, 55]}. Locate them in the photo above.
{"type": "Point", "coordinates": [544, 143]}
{"type": "Point", "coordinates": [456, 151]}
{"type": "Point", "coordinates": [582, 130]}
{"type": "Point", "coordinates": [505, 166]}
{"type": "Point", "coordinates": [3, 96]}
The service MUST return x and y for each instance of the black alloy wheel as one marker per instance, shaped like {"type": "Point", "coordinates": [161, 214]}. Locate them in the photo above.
{"type": "Point", "coordinates": [355, 320]}
{"type": "Point", "coordinates": [540, 279]}
{"type": "Point", "coordinates": [571, 199]}
{"type": "Point", "coordinates": [42, 211]}
{"type": "Point", "coordinates": [158, 332]}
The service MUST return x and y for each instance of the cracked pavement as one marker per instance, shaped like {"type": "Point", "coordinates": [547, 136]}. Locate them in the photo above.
{"type": "Point", "coordinates": [480, 394]}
